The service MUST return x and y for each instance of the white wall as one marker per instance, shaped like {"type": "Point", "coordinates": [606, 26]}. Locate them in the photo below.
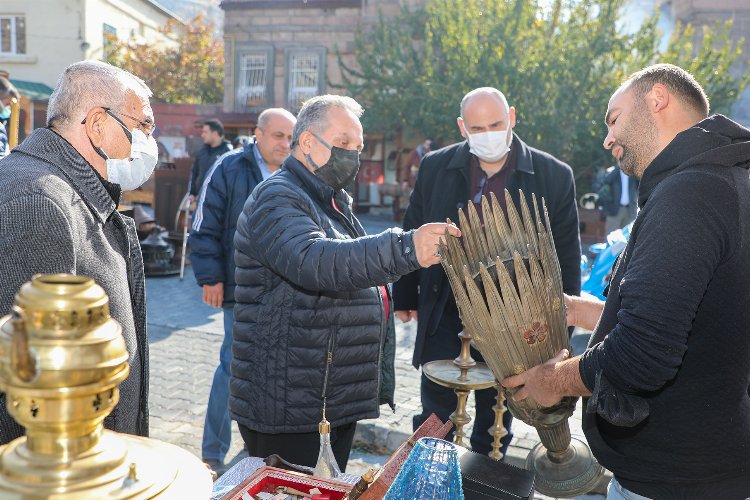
{"type": "Point", "coordinates": [129, 17]}
{"type": "Point", "coordinates": [53, 38]}
{"type": "Point", "coordinates": [61, 32]}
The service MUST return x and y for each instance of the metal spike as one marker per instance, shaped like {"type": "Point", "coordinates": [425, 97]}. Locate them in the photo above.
{"type": "Point", "coordinates": [493, 238]}
{"type": "Point", "coordinates": [517, 231]}
{"type": "Point", "coordinates": [506, 240]}
{"type": "Point", "coordinates": [528, 224]}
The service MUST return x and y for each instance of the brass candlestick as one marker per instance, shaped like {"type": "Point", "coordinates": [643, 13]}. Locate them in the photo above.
{"type": "Point", "coordinates": [464, 375]}
{"type": "Point", "coordinates": [508, 287]}
{"type": "Point", "coordinates": [62, 359]}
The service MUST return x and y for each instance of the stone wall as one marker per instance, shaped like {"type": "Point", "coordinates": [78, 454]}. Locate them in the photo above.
{"type": "Point", "coordinates": [279, 31]}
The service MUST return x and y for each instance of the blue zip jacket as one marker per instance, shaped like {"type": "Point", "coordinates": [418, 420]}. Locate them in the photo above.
{"type": "Point", "coordinates": [225, 189]}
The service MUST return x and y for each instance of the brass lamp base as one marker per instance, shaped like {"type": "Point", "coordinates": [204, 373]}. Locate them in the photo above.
{"type": "Point", "coordinates": [462, 380]}
{"type": "Point", "coordinates": [119, 467]}
{"type": "Point", "coordinates": [572, 472]}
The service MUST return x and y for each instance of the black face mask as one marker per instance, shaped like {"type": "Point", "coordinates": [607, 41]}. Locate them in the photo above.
{"type": "Point", "coordinates": [340, 169]}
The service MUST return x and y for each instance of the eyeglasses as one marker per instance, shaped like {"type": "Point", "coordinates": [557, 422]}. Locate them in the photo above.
{"type": "Point", "coordinates": [147, 127]}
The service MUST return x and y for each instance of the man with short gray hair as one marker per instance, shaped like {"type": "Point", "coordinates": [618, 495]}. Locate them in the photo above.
{"type": "Point", "coordinates": [59, 192]}
{"type": "Point", "coordinates": [313, 327]}
{"type": "Point", "coordinates": [227, 186]}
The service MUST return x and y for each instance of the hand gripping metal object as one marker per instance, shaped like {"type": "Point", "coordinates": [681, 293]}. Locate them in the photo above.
{"type": "Point", "coordinates": [506, 279]}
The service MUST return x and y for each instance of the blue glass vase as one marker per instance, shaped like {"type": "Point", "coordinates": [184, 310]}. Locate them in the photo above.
{"type": "Point", "coordinates": [430, 471]}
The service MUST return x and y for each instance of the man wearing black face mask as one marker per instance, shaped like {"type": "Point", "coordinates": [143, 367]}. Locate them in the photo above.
{"type": "Point", "coordinates": [313, 323]}
{"type": "Point", "coordinates": [59, 192]}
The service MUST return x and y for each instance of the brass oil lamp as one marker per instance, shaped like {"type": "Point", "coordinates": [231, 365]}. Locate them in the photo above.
{"type": "Point", "coordinates": [62, 358]}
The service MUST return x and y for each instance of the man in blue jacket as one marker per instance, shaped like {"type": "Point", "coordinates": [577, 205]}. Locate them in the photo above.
{"type": "Point", "coordinates": [225, 189]}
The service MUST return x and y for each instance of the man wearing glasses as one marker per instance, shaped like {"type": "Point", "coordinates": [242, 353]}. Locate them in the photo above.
{"type": "Point", "coordinates": [59, 192]}
{"type": "Point", "coordinates": [490, 160]}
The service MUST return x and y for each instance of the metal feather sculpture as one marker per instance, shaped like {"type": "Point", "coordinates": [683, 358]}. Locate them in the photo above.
{"type": "Point", "coordinates": [507, 282]}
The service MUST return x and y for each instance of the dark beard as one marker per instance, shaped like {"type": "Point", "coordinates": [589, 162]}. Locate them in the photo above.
{"type": "Point", "coordinates": [641, 145]}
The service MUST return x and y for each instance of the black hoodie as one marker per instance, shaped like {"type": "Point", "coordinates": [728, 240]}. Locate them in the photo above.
{"type": "Point", "coordinates": [669, 361]}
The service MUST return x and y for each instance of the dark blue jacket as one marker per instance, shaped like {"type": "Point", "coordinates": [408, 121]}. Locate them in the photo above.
{"type": "Point", "coordinates": [610, 202]}
{"type": "Point", "coordinates": [309, 318]}
{"type": "Point", "coordinates": [226, 188]}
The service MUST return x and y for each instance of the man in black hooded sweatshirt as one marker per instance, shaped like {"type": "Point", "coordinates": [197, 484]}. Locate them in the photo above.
{"type": "Point", "coordinates": [668, 366]}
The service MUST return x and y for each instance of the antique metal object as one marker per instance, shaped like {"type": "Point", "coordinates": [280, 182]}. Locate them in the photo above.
{"type": "Point", "coordinates": [508, 287]}
{"type": "Point", "coordinates": [463, 375]}
{"type": "Point", "coordinates": [157, 255]}
{"type": "Point", "coordinates": [62, 359]}
{"type": "Point", "coordinates": [13, 125]}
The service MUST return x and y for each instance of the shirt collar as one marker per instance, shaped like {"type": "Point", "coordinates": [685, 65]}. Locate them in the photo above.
{"type": "Point", "coordinates": [262, 165]}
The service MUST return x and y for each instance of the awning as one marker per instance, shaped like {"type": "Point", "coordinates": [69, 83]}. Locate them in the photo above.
{"type": "Point", "coordinates": [33, 90]}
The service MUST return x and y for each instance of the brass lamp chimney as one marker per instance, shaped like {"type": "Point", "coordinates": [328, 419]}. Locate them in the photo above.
{"type": "Point", "coordinates": [508, 287]}
{"type": "Point", "coordinates": [62, 358]}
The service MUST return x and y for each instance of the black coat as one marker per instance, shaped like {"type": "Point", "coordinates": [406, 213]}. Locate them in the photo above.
{"type": "Point", "coordinates": [442, 188]}
{"type": "Point", "coordinates": [309, 316]}
{"type": "Point", "coordinates": [225, 191]}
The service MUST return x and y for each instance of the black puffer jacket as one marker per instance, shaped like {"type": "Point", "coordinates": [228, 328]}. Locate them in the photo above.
{"type": "Point", "coordinates": [309, 317]}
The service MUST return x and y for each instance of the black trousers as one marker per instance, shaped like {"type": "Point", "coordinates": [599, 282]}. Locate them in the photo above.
{"type": "Point", "coordinates": [300, 448]}
{"type": "Point", "coordinates": [445, 344]}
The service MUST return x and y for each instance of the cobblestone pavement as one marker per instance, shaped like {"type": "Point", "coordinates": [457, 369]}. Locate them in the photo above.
{"type": "Point", "coordinates": [185, 336]}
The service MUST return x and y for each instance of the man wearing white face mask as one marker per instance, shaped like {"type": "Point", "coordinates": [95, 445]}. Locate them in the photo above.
{"type": "Point", "coordinates": [59, 192]}
{"type": "Point", "coordinates": [491, 160]}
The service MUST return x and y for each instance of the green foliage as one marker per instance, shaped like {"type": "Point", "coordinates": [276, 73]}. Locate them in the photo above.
{"type": "Point", "coordinates": [192, 72]}
{"type": "Point", "coordinates": [557, 62]}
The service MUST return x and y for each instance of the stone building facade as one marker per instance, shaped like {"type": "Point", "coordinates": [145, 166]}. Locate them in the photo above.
{"type": "Point", "coordinates": [281, 52]}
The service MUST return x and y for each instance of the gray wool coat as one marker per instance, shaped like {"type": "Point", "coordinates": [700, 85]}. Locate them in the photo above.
{"type": "Point", "coordinates": [57, 217]}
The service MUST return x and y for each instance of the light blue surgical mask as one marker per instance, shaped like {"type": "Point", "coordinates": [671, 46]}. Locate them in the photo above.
{"type": "Point", "coordinates": [5, 113]}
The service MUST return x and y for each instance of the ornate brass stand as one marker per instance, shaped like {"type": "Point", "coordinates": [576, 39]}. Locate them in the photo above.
{"type": "Point", "coordinates": [62, 359]}
{"type": "Point", "coordinates": [508, 287]}
{"type": "Point", "coordinates": [464, 375]}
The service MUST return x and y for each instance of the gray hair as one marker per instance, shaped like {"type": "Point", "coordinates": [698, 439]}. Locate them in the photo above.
{"type": "Point", "coordinates": [314, 114]}
{"type": "Point", "coordinates": [266, 115]}
{"type": "Point", "coordinates": [484, 91]}
{"type": "Point", "coordinates": [88, 84]}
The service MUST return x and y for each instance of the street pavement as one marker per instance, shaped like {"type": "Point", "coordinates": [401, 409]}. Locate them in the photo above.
{"type": "Point", "coordinates": [185, 336]}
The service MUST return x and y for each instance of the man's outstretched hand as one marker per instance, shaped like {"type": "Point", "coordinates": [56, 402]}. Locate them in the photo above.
{"type": "Point", "coordinates": [426, 240]}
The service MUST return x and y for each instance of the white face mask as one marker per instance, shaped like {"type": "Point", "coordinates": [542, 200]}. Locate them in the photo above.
{"type": "Point", "coordinates": [490, 146]}
{"type": "Point", "coordinates": [130, 173]}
